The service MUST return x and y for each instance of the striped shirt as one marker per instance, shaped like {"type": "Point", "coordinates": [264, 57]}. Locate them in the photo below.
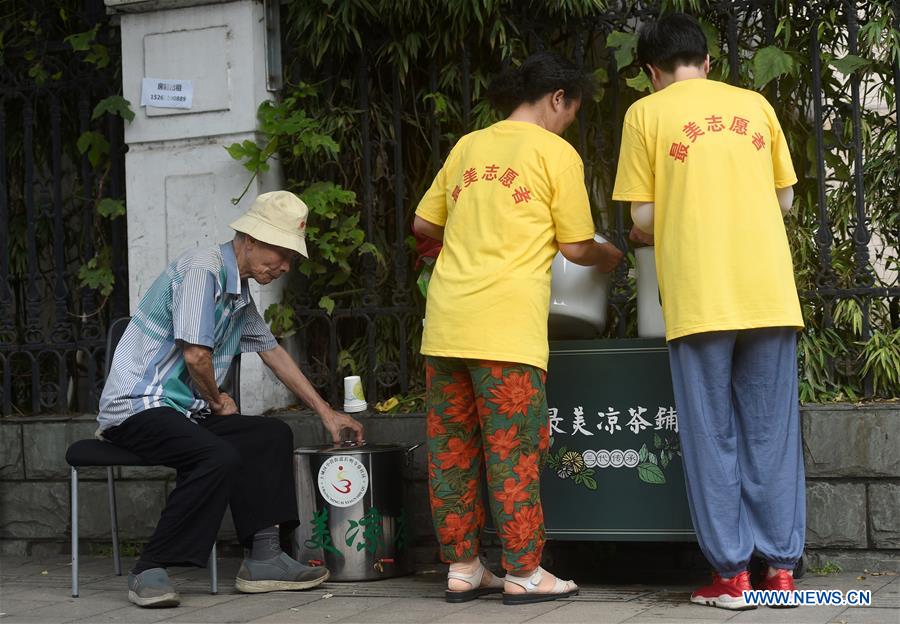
{"type": "Point", "coordinates": [199, 299]}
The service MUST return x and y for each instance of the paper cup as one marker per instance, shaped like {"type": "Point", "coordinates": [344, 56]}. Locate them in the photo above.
{"type": "Point", "coordinates": [354, 398]}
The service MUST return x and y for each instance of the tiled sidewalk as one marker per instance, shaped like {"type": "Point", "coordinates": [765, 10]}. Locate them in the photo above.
{"type": "Point", "coordinates": [38, 591]}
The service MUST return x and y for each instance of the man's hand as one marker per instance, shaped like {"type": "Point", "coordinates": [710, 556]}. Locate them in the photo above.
{"type": "Point", "coordinates": [198, 360]}
{"type": "Point", "coordinates": [284, 367]}
{"type": "Point", "coordinates": [335, 421]}
{"type": "Point", "coordinates": [225, 406]}
{"type": "Point", "coordinates": [640, 236]}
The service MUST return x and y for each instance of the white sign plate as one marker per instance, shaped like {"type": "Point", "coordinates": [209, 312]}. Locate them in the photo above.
{"type": "Point", "coordinates": [167, 93]}
{"type": "Point", "coordinates": [343, 480]}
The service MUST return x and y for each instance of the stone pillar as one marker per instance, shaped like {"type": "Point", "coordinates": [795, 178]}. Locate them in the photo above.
{"type": "Point", "coordinates": [179, 178]}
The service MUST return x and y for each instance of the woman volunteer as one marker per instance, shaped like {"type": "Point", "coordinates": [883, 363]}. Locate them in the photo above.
{"type": "Point", "coordinates": [508, 197]}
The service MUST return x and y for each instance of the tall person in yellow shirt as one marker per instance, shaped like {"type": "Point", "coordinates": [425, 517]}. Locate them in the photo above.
{"type": "Point", "coordinates": [507, 198]}
{"type": "Point", "coordinates": [709, 175]}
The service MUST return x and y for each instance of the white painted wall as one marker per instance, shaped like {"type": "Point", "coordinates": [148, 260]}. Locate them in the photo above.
{"type": "Point", "coordinates": [179, 178]}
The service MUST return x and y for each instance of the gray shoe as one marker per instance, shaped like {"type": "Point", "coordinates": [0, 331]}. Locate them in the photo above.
{"type": "Point", "coordinates": [277, 574]}
{"type": "Point", "coordinates": [152, 588]}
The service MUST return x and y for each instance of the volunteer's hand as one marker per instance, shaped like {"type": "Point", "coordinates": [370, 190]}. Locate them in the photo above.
{"type": "Point", "coordinates": [640, 236]}
{"type": "Point", "coordinates": [335, 421]}
{"type": "Point", "coordinates": [611, 258]}
{"type": "Point", "coordinates": [224, 407]}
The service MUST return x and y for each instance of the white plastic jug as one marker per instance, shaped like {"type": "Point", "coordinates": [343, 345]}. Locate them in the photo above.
{"type": "Point", "coordinates": [578, 298]}
{"type": "Point", "coordinates": [650, 316]}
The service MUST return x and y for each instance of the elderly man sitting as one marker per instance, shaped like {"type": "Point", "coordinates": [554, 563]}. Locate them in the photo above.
{"type": "Point", "coordinates": [162, 402]}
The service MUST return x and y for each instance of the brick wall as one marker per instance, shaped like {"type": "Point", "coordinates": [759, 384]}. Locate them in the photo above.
{"type": "Point", "coordinates": [852, 462]}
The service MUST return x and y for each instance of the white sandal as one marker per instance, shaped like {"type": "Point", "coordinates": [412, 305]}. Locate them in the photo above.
{"type": "Point", "coordinates": [561, 589]}
{"type": "Point", "coordinates": [474, 581]}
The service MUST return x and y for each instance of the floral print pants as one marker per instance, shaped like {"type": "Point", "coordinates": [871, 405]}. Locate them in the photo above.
{"type": "Point", "coordinates": [494, 415]}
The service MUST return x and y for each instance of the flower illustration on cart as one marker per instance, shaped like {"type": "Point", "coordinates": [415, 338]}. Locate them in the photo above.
{"type": "Point", "coordinates": [570, 465]}
{"type": "Point", "coordinates": [650, 465]}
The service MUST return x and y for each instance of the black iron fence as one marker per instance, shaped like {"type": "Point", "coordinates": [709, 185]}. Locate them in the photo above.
{"type": "Point", "coordinates": [52, 327]}
{"type": "Point", "coordinates": [405, 116]}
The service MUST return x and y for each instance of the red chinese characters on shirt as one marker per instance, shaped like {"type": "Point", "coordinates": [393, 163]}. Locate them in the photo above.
{"type": "Point", "coordinates": [520, 194]}
{"type": "Point", "coordinates": [679, 151]}
{"type": "Point", "coordinates": [692, 131]}
{"type": "Point", "coordinates": [758, 141]}
{"type": "Point", "coordinates": [714, 123]}
{"type": "Point", "coordinates": [739, 125]}
{"type": "Point", "coordinates": [508, 177]}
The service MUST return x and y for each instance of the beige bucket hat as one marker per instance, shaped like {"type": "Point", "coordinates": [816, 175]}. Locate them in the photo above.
{"type": "Point", "coordinates": [277, 218]}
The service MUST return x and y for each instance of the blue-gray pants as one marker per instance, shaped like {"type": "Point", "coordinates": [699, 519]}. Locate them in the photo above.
{"type": "Point", "coordinates": [739, 424]}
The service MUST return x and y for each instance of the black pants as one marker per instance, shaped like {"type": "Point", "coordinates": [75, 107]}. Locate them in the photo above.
{"type": "Point", "coordinates": [244, 461]}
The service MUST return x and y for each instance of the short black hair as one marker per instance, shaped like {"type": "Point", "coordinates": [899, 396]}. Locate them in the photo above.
{"type": "Point", "coordinates": [675, 39]}
{"type": "Point", "coordinates": [538, 75]}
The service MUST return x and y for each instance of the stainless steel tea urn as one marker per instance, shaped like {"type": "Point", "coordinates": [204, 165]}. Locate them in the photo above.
{"type": "Point", "coordinates": [352, 510]}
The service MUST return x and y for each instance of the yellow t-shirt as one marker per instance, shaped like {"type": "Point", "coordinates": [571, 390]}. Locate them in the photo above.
{"type": "Point", "coordinates": [505, 196]}
{"type": "Point", "coordinates": [710, 156]}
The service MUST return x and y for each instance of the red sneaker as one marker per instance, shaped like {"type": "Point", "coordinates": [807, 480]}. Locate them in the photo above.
{"type": "Point", "coordinates": [782, 581]}
{"type": "Point", "coordinates": [725, 593]}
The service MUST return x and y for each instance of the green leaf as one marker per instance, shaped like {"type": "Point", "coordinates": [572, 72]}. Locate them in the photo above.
{"type": "Point", "coordinates": [38, 73]}
{"type": "Point", "coordinates": [83, 143]}
{"type": "Point", "coordinates": [642, 454]}
{"type": "Point", "coordinates": [81, 42]}
{"type": "Point", "coordinates": [640, 82]}
{"type": "Point", "coordinates": [712, 39]}
{"type": "Point", "coordinates": [281, 319]}
{"type": "Point", "coordinates": [346, 361]}
{"type": "Point", "coordinates": [624, 45]}
{"type": "Point", "coordinates": [236, 151]}
{"type": "Point", "coordinates": [97, 273]}
{"type": "Point", "coordinates": [114, 105]}
{"type": "Point", "coordinates": [552, 459]}
{"type": "Point", "coordinates": [589, 483]}
{"type": "Point", "coordinates": [99, 56]}
{"type": "Point", "coordinates": [111, 208]}
{"type": "Point", "coordinates": [339, 278]}
{"type": "Point", "coordinates": [768, 64]}
{"type": "Point", "coordinates": [327, 303]}
{"type": "Point", "coordinates": [439, 103]}
{"type": "Point", "coordinates": [369, 248]}
{"type": "Point", "coordinates": [849, 64]}
{"type": "Point", "coordinates": [651, 473]}
{"type": "Point", "coordinates": [657, 441]}
{"type": "Point", "coordinates": [95, 145]}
